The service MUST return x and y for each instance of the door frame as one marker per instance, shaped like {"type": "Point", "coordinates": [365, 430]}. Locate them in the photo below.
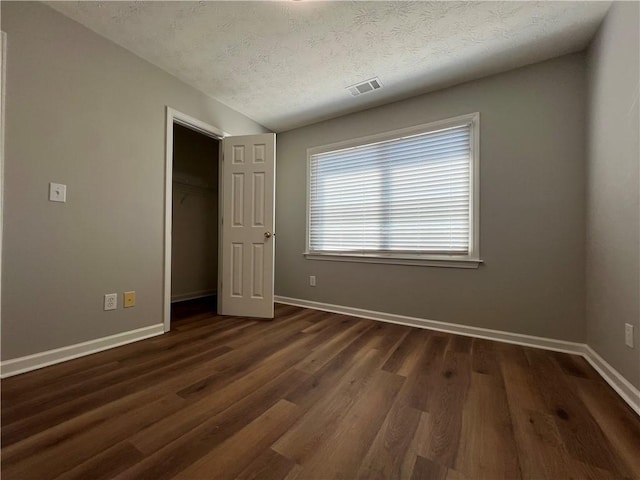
{"type": "Point", "coordinates": [174, 116]}
{"type": "Point", "coordinates": [3, 97]}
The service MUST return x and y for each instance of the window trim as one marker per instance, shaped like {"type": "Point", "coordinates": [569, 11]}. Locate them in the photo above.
{"type": "Point", "coordinates": [472, 259]}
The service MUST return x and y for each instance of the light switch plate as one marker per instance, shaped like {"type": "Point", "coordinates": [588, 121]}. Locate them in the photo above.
{"type": "Point", "coordinates": [57, 192]}
{"type": "Point", "coordinates": [628, 335]}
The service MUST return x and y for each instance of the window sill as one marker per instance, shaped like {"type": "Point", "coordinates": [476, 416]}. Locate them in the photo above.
{"type": "Point", "coordinates": [445, 261]}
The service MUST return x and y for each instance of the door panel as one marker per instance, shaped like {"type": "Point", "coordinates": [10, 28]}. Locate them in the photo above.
{"type": "Point", "coordinates": [247, 226]}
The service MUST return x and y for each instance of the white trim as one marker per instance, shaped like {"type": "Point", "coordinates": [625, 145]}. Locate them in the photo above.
{"type": "Point", "coordinates": [472, 259]}
{"type": "Point", "coordinates": [477, 332]}
{"type": "Point", "coordinates": [195, 124]}
{"type": "Point", "coordinates": [3, 96]}
{"type": "Point", "coordinates": [474, 194]}
{"type": "Point", "coordinates": [16, 366]}
{"type": "Point", "coordinates": [426, 261]}
{"type": "Point", "coordinates": [174, 116]}
{"type": "Point", "coordinates": [621, 385]}
{"type": "Point", "coordinates": [629, 393]}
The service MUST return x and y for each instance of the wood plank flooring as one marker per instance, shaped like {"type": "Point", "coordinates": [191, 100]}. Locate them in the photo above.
{"type": "Point", "coordinates": [315, 395]}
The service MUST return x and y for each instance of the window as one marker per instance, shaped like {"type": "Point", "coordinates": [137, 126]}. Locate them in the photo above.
{"type": "Point", "coordinates": [408, 196]}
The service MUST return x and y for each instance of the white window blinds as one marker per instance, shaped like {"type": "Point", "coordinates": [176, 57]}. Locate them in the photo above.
{"type": "Point", "coordinates": [405, 195]}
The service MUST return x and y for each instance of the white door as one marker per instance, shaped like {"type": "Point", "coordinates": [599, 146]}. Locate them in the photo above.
{"type": "Point", "coordinates": [248, 190]}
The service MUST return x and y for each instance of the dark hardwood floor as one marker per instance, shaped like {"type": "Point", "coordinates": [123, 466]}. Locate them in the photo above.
{"type": "Point", "coordinates": [314, 395]}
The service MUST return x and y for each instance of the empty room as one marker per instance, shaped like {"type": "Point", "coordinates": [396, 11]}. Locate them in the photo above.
{"type": "Point", "coordinates": [320, 240]}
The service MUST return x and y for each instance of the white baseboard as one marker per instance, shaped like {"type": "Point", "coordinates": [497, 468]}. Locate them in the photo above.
{"type": "Point", "coordinates": [16, 366]}
{"type": "Point", "coordinates": [621, 385]}
{"type": "Point", "coordinates": [477, 332]}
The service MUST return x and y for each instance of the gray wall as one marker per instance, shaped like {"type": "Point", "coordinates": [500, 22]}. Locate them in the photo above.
{"type": "Point", "coordinates": [532, 141]}
{"type": "Point", "coordinates": [83, 111]}
{"type": "Point", "coordinates": [613, 208]}
{"type": "Point", "coordinates": [194, 237]}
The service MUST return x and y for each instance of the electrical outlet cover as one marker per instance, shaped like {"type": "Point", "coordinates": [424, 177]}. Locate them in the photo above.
{"type": "Point", "coordinates": [129, 299]}
{"type": "Point", "coordinates": [111, 301]}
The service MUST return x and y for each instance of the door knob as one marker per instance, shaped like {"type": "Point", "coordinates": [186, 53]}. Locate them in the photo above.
{"type": "Point", "coordinates": [267, 234]}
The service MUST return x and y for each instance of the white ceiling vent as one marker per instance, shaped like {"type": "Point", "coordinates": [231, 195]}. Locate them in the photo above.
{"type": "Point", "coordinates": [365, 87]}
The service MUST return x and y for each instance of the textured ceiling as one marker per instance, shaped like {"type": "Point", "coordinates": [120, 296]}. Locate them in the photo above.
{"type": "Point", "coordinates": [286, 64]}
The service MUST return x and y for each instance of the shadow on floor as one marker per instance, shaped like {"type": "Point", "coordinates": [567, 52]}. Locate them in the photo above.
{"type": "Point", "coordinates": [189, 308]}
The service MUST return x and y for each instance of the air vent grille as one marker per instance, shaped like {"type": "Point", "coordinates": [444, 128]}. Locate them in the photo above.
{"type": "Point", "coordinates": [365, 87]}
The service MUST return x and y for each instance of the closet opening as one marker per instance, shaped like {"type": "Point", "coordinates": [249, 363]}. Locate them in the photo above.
{"type": "Point", "coordinates": [194, 223]}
